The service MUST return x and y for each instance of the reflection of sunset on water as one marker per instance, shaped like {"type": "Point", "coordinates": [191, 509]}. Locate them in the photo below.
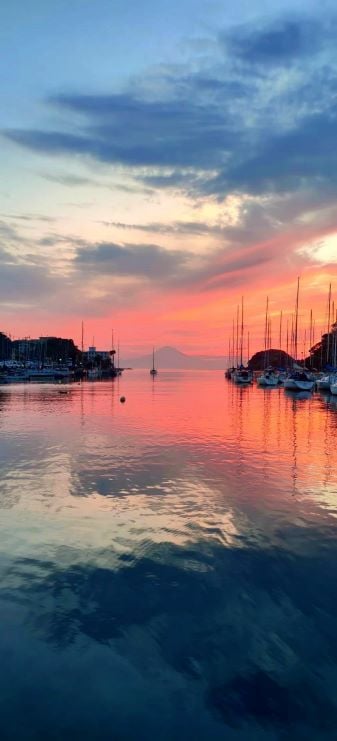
{"type": "Point", "coordinates": [168, 545]}
{"type": "Point", "coordinates": [189, 534]}
{"type": "Point", "coordinates": [181, 442]}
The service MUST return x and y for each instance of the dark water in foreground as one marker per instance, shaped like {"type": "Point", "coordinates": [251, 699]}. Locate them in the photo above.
{"type": "Point", "coordinates": [168, 566]}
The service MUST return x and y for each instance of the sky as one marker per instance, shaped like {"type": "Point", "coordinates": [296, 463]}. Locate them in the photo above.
{"type": "Point", "coordinates": [162, 159]}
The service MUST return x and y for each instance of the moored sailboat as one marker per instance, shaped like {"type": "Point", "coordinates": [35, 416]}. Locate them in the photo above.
{"type": "Point", "coordinates": [300, 380]}
{"type": "Point", "coordinates": [333, 384]}
{"type": "Point", "coordinates": [323, 383]}
{"type": "Point", "coordinates": [153, 370]}
{"type": "Point", "coordinates": [242, 376]}
{"type": "Point", "coordinates": [268, 378]}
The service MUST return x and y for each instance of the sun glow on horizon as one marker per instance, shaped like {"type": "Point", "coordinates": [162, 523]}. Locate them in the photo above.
{"type": "Point", "coordinates": [153, 197]}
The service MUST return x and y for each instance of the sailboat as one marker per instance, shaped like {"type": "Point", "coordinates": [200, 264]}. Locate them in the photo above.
{"type": "Point", "coordinates": [268, 377]}
{"type": "Point", "coordinates": [300, 379]}
{"type": "Point", "coordinates": [153, 370]}
{"type": "Point", "coordinates": [323, 383]}
{"type": "Point", "coordinates": [241, 375]}
{"type": "Point", "coordinates": [333, 385]}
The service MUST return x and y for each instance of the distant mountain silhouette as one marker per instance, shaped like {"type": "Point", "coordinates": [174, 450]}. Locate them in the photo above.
{"type": "Point", "coordinates": [171, 358]}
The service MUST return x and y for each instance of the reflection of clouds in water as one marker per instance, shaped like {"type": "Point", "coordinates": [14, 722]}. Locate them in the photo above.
{"type": "Point", "coordinates": [207, 436]}
{"type": "Point", "coordinates": [41, 479]}
{"type": "Point", "coordinates": [237, 624]}
{"type": "Point", "coordinates": [155, 553]}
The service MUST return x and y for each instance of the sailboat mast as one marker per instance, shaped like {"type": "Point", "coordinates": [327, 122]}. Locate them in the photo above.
{"type": "Point", "coordinates": [332, 334]}
{"type": "Point", "coordinates": [233, 343]}
{"type": "Point", "coordinates": [237, 335]}
{"type": "Point", "coordinates": [328, 329]}
{"type": "Point", "coordinates": [241, 345]}
{"type": "Point", "coordinates": [296, 320]}
{"type": "Point", "coordinates": [280, 337]}
{"type": "Point", "coordinates": [112, 350]}
{"type": "Point", "coordinates": [266, 335]}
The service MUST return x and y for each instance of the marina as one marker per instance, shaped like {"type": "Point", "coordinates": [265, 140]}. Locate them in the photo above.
{"type": "Point", "coordinates": [168, 371]}
{"type": "Point", "coordinates": [317, 371]}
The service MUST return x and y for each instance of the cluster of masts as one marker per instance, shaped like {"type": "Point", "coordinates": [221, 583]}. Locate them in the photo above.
{"type": "Point", "coordinates": [289, 339]}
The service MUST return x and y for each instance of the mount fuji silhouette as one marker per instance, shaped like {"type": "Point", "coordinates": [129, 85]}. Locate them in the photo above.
{"type": "Point", "coordinates": [171, 358]}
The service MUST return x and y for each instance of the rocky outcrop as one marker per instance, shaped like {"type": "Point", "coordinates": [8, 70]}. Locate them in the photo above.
{"type": "Point", "coordinates": [275, 358]}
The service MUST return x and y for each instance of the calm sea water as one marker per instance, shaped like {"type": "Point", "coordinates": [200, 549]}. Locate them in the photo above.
{"type": "Point", "coordinates": [168, 565]}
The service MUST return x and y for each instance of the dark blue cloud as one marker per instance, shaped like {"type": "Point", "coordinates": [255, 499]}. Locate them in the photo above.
{"type": "Point", "coordinates": [261, 120]}
{"type": "Point", "coordinates": [277, 43]}
{"type": "Point", "coordinates": [306, 155]}
{"type": "Point", "coordinates": [147, 264]}
{"type": "Point", "coordinates": [176, 179]}
{"type": "Point", "coordinates": [135, 132]}
{"type": "Point", "coordinates": [50, 142]}
{"type": "Point", "coordinates": [21, 280]}
{"type": "Point", "coordinates": [137, 260]}
{"type": "Point", "coordinates": [22, 283]}
{"type": "Point", "coordinates": [175, 227]}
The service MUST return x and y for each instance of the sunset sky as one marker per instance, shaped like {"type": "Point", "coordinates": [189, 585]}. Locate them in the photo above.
{"type": "Point", "coordinates": [159, 160]}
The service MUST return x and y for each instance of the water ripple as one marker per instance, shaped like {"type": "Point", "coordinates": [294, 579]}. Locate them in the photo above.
{"type": "Point", "coordinates": [168, 565]}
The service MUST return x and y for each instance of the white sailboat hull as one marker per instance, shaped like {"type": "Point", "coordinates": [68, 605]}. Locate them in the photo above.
{"type": "Point", "coordinates": [304, 385]}
{"type": "Point", "coordinates": [288, 383]}
{"type": "Point", "coordinates": [323, 383]}
{"type": "Point", "coordinates": [300, 381]}
{"type": "Point", "coordinates": [265, 381]}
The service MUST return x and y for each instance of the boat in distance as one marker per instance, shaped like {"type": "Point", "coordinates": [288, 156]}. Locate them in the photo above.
{"type": "Point", "coordinates": [153, 370]}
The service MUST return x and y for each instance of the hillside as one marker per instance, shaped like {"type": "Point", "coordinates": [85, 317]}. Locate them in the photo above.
{"type": "Point", "coordinates": [276, 358]}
